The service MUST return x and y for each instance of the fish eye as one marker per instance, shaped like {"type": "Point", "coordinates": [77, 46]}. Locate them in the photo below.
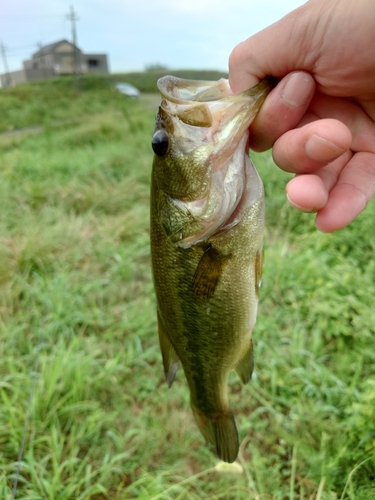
{"type": "Point", "coordinates": [160, 143]}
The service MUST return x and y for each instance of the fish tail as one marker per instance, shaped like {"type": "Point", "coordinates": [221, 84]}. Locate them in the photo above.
{"type": "Point", "coordinates": [220, 432]}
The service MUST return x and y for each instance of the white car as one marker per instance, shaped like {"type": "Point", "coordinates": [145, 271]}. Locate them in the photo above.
{"type": "Point", "coordinates": [128, 89]}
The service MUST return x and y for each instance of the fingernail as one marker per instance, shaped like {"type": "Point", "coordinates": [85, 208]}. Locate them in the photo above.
{"type": "Point", "coordinates": [298, 89]}
{"type": "Point", "coordinates": [320, 149]}
{"type": "Point", "coordinates": [298, 207]}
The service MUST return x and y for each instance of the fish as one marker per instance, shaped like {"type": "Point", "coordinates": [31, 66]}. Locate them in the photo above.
{"type": "Point", "coordinates": [206, 232]}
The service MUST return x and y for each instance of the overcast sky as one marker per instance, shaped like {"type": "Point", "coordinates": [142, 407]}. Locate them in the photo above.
{"type": "Point", "coordinates": [134, 33]}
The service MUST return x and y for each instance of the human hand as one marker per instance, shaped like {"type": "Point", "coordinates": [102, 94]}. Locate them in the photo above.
{"type": "Point", "coordinates": [320, 121]}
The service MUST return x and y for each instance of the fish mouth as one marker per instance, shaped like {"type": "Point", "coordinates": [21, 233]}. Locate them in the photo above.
{"type": "Point", "coordinates": [223, 119]}
{"type": "Point", "coordinates": [180, 91]}
{"type": "Point", "coordinates": [203, 103]}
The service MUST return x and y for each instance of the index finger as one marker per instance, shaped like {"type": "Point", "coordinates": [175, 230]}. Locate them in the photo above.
{"type": "Point", "coordinates": [254, 59]}
{"type": "Point", "coordinates": [277, 50]}
{"type": "Point", "coordinates": [282, 110]}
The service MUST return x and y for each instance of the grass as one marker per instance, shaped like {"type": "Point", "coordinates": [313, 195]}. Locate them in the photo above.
{"type": "Point", "coordinates": [62, 100]}
{"type": "Point", "coordinates": [79, 355]}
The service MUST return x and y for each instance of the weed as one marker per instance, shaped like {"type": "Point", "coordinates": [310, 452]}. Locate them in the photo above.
{"type": "Point", "coordinates": [78, 328]}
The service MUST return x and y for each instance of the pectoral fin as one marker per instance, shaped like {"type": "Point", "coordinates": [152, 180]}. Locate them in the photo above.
{"type": "Point", "coordinates": [208, 273]}
{"type": "Point", "coordinates": [245, 366]}
{"type": "Point", "coordinates": [170, 358]}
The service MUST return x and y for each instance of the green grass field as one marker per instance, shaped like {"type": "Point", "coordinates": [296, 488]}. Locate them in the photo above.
{"type": "Point", "coordinates": [79, 354]}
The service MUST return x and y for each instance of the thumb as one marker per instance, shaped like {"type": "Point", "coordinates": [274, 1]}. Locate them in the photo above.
{"type": "Point", "coordinates": [277, 50]}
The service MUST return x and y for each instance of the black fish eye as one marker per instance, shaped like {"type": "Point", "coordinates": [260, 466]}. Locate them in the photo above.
{"type": "Point", "coordinates": [160, 143]}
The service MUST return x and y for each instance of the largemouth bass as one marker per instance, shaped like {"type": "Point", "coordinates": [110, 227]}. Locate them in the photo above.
{"type": "Point", "coordinates": [207, 205]}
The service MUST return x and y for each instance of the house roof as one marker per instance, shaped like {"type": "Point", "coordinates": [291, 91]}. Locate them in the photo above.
{"type": "Point", "coordinates": [47, 49]}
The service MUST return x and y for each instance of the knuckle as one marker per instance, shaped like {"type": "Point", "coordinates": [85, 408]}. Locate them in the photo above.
{"type": "Point", "coordinates": [235, 58]}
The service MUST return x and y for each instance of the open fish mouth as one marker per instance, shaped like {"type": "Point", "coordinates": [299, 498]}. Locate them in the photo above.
{"type": "Point", "coordinates": [207, 113]}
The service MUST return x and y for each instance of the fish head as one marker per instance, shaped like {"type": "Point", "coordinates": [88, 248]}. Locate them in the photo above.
{"type": "Point", "coordinates": [182, 146]}
{"type": "Point", "coordinates": [200, 144]}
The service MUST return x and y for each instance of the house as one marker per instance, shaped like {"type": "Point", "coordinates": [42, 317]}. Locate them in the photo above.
{"type": "Point", "coordinates": [59, 58]}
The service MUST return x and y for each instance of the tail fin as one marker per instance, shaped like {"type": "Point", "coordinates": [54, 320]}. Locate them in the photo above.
{"type": "Point", "coordinates": [220, 432]}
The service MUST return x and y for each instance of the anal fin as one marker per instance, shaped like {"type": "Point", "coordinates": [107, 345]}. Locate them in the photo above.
{"type": "Point", "coordinates": [170, 358]}
{"type": "Point", "coordinates": [245, 366]}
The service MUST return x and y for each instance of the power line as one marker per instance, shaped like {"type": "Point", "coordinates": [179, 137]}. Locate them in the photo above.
{"type": "Point", "coordinates": [30, 17]}
{"type": "Point", "coordinates": [13, 51]}
{"type": "Point", "coordinates": [25, 47]}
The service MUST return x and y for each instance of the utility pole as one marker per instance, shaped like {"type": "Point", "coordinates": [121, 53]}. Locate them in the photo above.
{"type": "Point", "coordinates": [42, 62]}
{"type": "Point", "coordinates": [72, 17]}
{"type": "Point", "coordinates": [5, 64]}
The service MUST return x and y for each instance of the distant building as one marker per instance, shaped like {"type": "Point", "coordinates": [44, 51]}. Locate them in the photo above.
{"type": "Point", "coordinates": [59, 58]}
